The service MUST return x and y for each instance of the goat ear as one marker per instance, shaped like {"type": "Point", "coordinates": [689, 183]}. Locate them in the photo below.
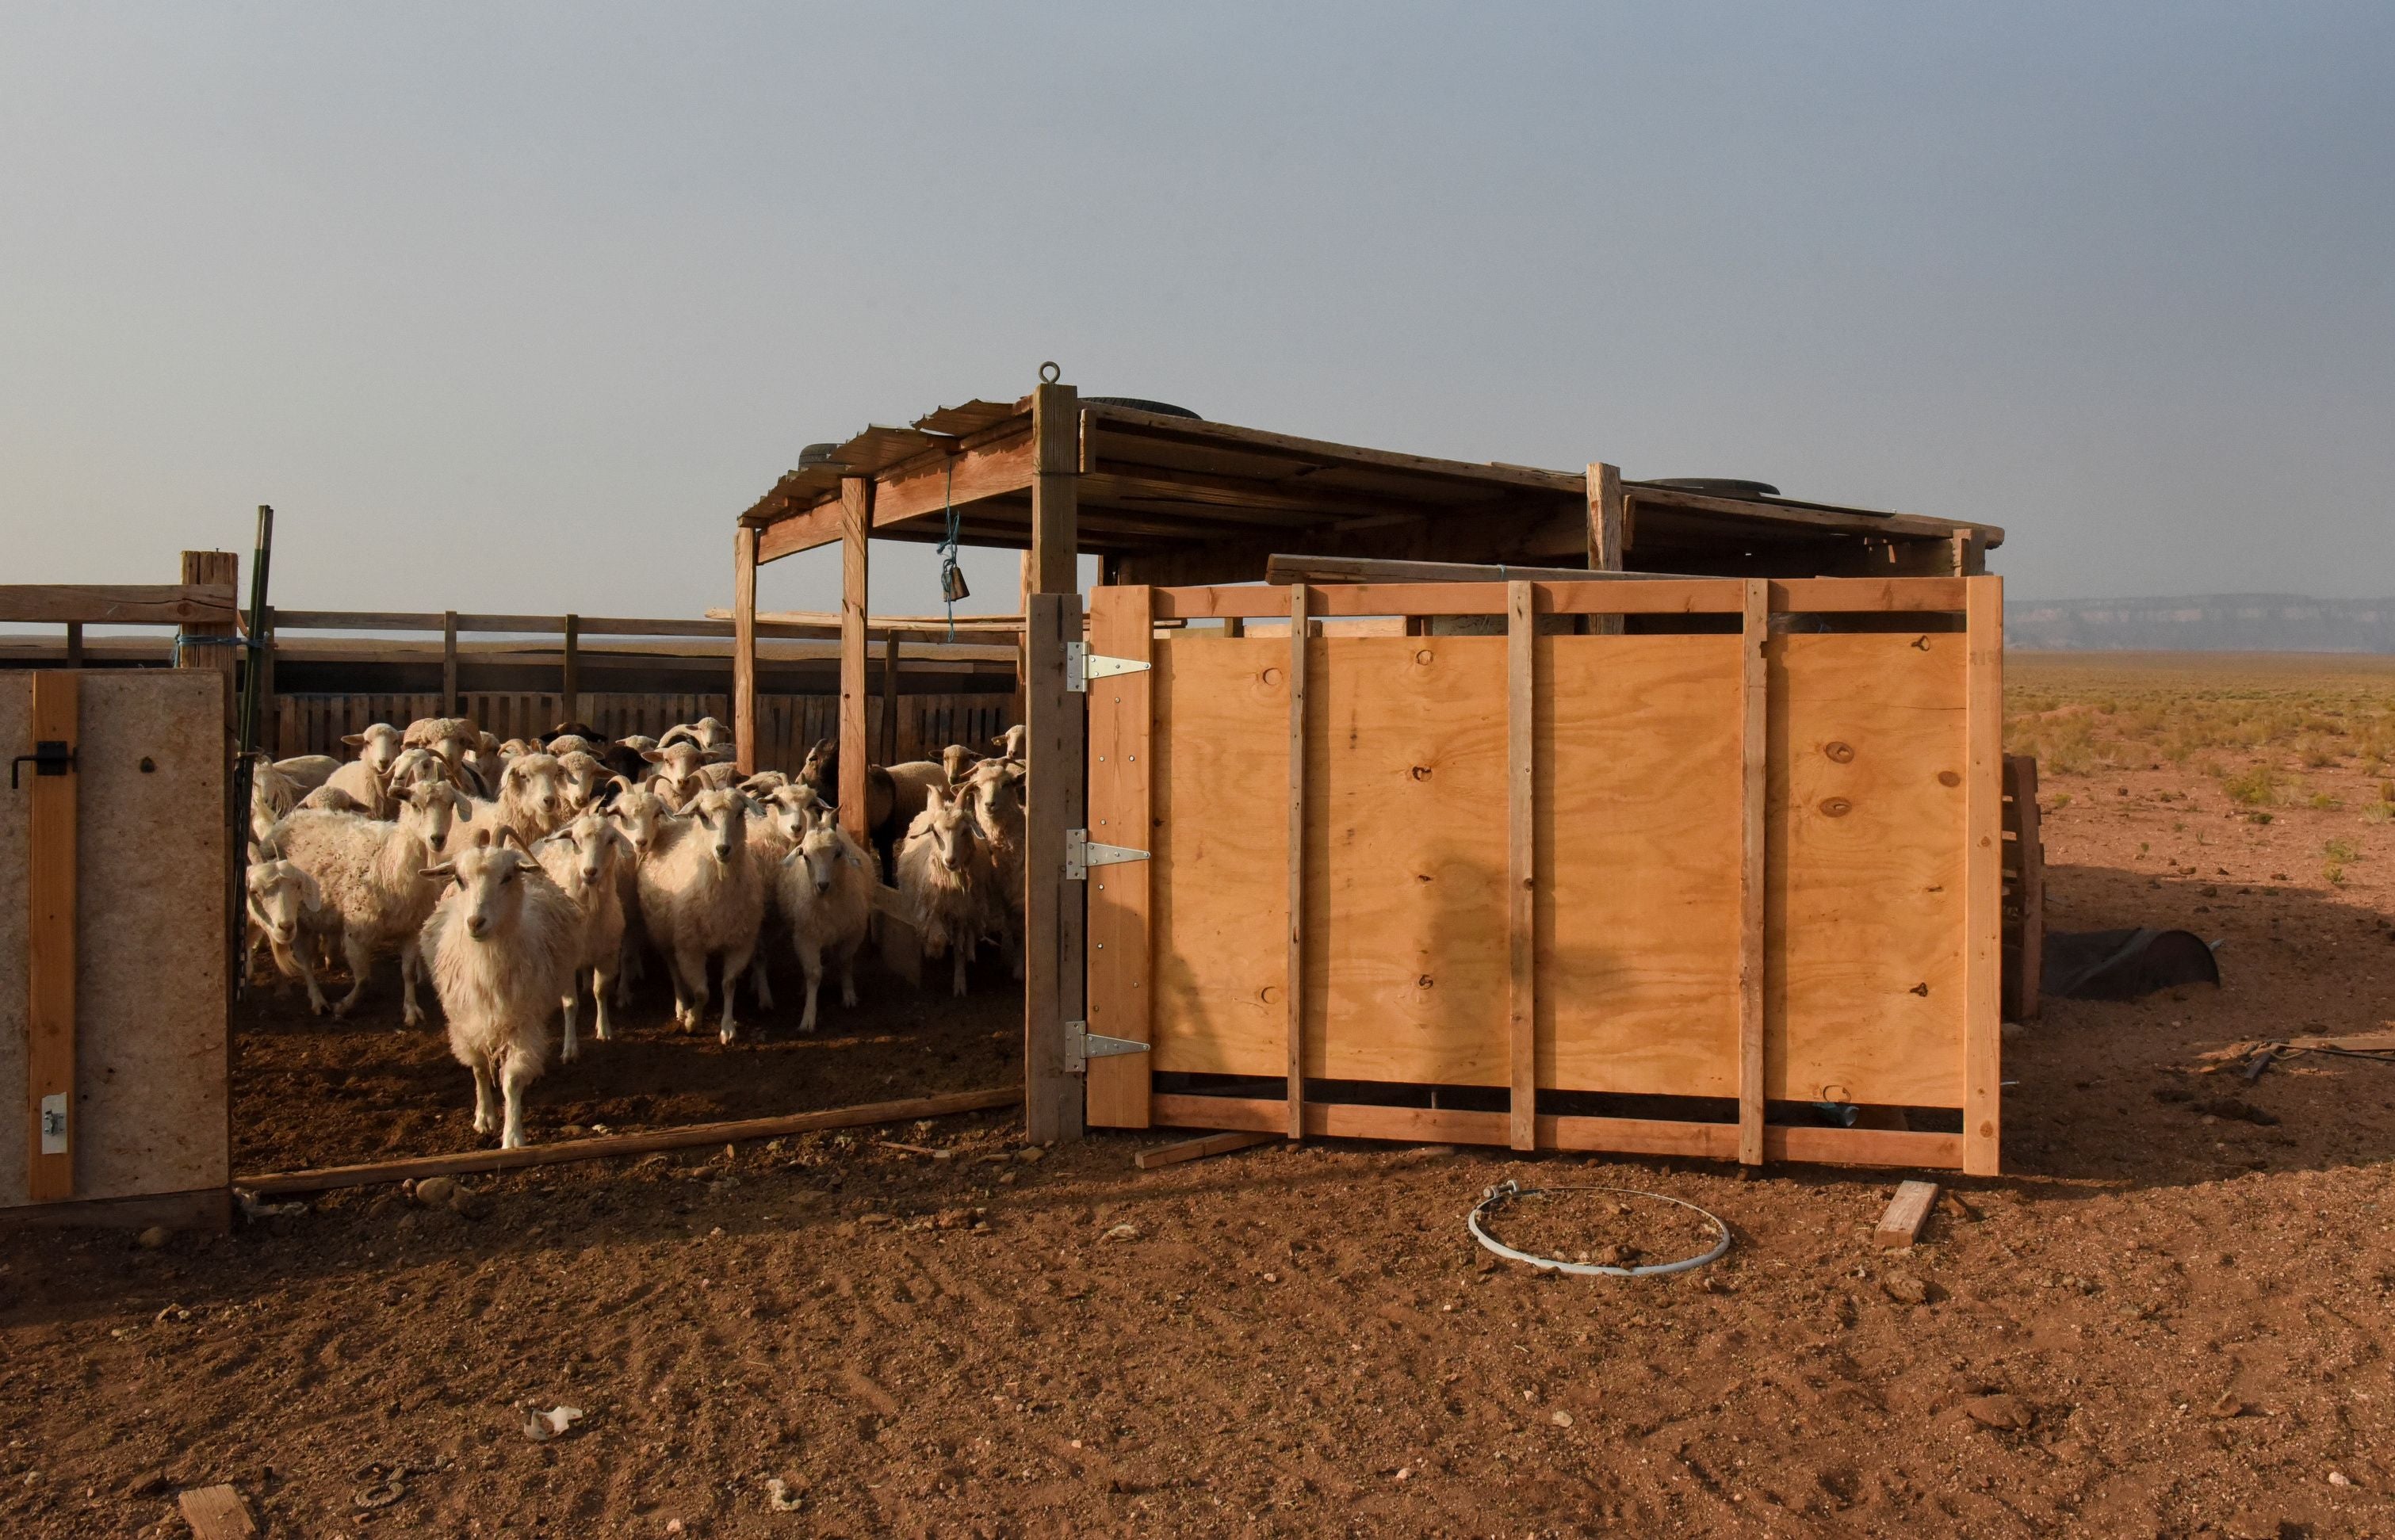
{"type": "Point", "coordinates": [355, 739]}
{"type": "Point", "coordinates": [311, 897]}
{"type": "Point", "coordinates": [654, 756]}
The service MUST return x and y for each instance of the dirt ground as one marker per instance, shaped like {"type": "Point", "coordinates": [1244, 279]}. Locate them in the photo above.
{"type": "Point", "coordinates": [2170, 1318]}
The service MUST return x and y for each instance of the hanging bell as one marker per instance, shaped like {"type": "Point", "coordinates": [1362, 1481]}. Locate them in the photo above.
{"type": "Point", "coordinates": [952, 584]}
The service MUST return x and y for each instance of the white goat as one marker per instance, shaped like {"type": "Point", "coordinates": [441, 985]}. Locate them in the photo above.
{"type": "Point", "coordinates": [641, 816]}
{"type": "Point", "coordinates": [584, 776]}
{"type": "Point", "coordinates": [771, 837]}
{"type": "Point", "coordinates": [287, 912]}
{"type": "Point", "coordinates": [943, 874]}
{"type": "Point", "coordinates": [825, 891]}
{"type": "Point", "coordinates": [501, 944]}
{"type": "Point", "coordinates": [707, 734]}
{"type": "Point", "coordinates": [701, 895]}
{"type": "Point", "coordinates": [582, 859]}
{"type": "Point", "coordinates": [370, 875]}
{"type": "Point", "coordinates": [994, 791]}
{"type": "Point", "coordinates": [532, 801]}
{"type": "Point", "coordinates": [307, 771]}
{"type": "Point", "coordinates": [457, 740]}
{"type": "Point", "coordinates": [676, 776]}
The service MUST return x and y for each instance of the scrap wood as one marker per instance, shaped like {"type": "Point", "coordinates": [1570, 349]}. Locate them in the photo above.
{"type": "Point", "coordinates": [1199, 1149]}
{"type": "Point", "coordinates": [217, 1513]}
{"type": "Point", "coordinates": [1907, 1212]}
{"type": "Point", "coordinates": [2254, 1056]}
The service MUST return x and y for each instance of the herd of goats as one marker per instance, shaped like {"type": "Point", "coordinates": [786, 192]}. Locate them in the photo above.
{"type": "Point", "coordinates": [519, 874]}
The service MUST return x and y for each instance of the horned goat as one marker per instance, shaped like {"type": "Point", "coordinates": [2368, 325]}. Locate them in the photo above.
{"type": "Point", "coordinates": [501, 944]}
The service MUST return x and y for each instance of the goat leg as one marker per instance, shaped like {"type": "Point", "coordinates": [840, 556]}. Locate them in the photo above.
{"type": "Point", "coordinates": [411, 964]}
{"type": "Point", "coordinates": [484, 1121]}
{"type": "Point", "coordinates": [569, 1048]}
{"type": "Point", "coordinates": [360, 956]}
{"type": "Point", "coordinates": [736, 963]}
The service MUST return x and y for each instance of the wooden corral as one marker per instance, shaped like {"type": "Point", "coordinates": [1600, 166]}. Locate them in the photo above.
{"type": "Point", "coordinates": [114, 973]}
{"type": "Point", "coordinates": [1162, 497]}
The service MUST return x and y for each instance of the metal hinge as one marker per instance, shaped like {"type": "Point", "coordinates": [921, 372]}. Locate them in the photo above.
{"type": "Point", "coordinates": [1081, 852]}
{"type": "Point", "coordinates": [1081, 1045]}
{"type": "Point", "coordinates": [53, 1123]}
{"type": "Point", "coordinates": [1081, 665]}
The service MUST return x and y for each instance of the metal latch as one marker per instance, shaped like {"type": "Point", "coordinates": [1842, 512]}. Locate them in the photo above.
{"type": "Point", "coordinates": [53, 1123]}
{"type": "Point", "coordinates": [1081, 665]}
{"type": "Point", "coordinates": [1081, 852]}
{"type": "Point", "coordinates": [1081, 1045]}
{"type": "Point", "coordinates": [50, 756]}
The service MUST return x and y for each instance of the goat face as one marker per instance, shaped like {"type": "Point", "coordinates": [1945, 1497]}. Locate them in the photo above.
{"type": "Point", "coordinates": [279, 893]}
{"type": "Point", "coordinates": [723, 813]}
{"type": "Point", "coordinates": [595, 842]}
{"type": "Point", "coordinates": [820, 769]}
{"type": "Point", "coordinates": [537, 781]}
{"type": "Point", "coordinates": [584, 775]}
{"type": "Point", "coordinates": [638, 813]}
{"type": "Point", "coordinates": [377, 747]}
{"type": "Point", "coordinates": [433, 806]}
{"type": "Point", "coordinates": [820, 850]}
{"type": "Point", "coordinates": [490, 892]}
{"type": "Point", "coordinates": [951, 829]}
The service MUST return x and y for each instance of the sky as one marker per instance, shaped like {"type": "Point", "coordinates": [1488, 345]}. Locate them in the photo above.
{"type": "Point", "coordinates": [517, 307]}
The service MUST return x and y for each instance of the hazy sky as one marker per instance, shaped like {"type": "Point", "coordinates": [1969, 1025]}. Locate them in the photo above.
{"type": "Point", "coordinates": [516, 306]}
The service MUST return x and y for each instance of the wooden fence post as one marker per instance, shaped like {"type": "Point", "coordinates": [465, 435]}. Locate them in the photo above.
{"type": "Point", "coordinates": [856, 528]}
{"type": "Point", "coordinates": [744, 649]}
{"type": "Point", "coordinates": [889, 699]}
{"type": "Point", "coordinates": [1299, 624]}
{"type": "Point", "coordinates": [1054, 981]}
{"type": "Point", "coordinates": [449, 664]}
{"type": "Point", "coordinates": [1522, 830]}
{"type": "Point", "coordinates": [1121, 716]}
{"type": "Point", "coordinates": [1755, 793]}
{"type": "Point", "coordinates": [570, 695]}
{"type": "Point", "coordinates": [1608, 534]}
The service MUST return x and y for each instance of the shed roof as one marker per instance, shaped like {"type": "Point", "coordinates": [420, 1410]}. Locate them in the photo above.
{"type": "Point", "coordinates": [1153, 482]}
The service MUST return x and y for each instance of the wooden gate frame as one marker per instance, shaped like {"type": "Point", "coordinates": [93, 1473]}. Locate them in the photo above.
{"type": "Point", "coordinates": [1123, 624]}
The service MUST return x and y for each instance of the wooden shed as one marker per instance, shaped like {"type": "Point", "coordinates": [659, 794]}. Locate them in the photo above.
{"type": "Point", "coordinates": [1758, 737]}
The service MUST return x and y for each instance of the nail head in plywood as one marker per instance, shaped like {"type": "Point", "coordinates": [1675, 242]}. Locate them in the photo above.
{"type": "Point", "coordinates": [1907, 1212]}
{"type": "Point", "coordinates": [51, 1114]}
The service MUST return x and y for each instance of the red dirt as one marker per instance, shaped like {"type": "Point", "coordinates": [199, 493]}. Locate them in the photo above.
{"type": "Point", "coordinates": [2188, 1310]}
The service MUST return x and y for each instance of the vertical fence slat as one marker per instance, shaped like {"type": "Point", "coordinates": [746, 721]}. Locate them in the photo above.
{"type": "Point", "coordinates": [1754, 740]}
{"type": "Point", "coordinates": [1983, 879]}
{"type": "Point", "coordinates": [1298, 627]}
{"type": "Point", "coordinates": [1521, 844]}
{"type": "Point", "coordinates": [1121, 626]}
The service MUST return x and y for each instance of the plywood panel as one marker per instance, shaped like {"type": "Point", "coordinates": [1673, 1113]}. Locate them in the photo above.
{"type": "Point", "coordinates": [1220, 879]}
{"type": "Point", "coordinates": [1638, 775]}
{"type": "Point", "coordinates": [150, 1102]}
{"type": "Point", "coordinates": [1864, 994]}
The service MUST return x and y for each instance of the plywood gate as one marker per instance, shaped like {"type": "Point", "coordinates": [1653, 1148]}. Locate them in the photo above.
{"type": "Point", "coordinates": [132, 1032]}
{"type": "Point", "coordinates": [1648, 893]}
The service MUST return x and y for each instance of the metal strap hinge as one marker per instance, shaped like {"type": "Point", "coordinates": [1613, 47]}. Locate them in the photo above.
{"type": "Point", "coordinates": [1081, 852]}
{"type": "Point", "coordinates": [1081, 665]}
{"type": "Point", "coordinates": [1081, 1045]}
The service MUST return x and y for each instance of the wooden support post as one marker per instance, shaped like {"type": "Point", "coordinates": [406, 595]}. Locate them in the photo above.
{"type": "Point", "coordinates": [1970, 549]}
{"type": "Point", "coordinates": [744, 649]}
{"type": "Point", "coordinates": [1983, 879]}
{"type": "Point", "coordinates": [51, 1114]}
{"type": "Point", "coordinates": [1755, 790]}
{"type": "Point", "coordinates": [2029, 877]}
{"type": "Point", "coordinates": [856, 525]}
{"type": "Point", "coordinates": [223, 570]}
{"type": "Point", "coordinates": [449, 663]}
{"type": "Point", "coordinates": [1295, 990]}
{"type": "Point", "coordinates": [74, 644]}
{"type": "Point", "coordinates": [1121, 626]}
{"type": "Point", "coordinates": [889, 699]}
{"type": "Point", "coordinates": [1907, 1212]}
{"type": "Point", "coordinates": [1521, 791]}
{"type": "Point", "coordinates": [1608, 535]}
{"type": "Point", "coordinates": [1055, 489]}
{"type": "Point", "coordinates": [1055, 986]}
{"type": "Point", "coordinates": [1234, 626]}
{"type": "Point", "coordinates": [570, 695]}
{"type": "Point", "coordinates": [1022, 639]}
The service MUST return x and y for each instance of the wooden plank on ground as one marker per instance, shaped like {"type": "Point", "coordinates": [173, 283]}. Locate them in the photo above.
{"type": "Point", "coordinates": [1121, 725]}
{"type": "Point", "coordinates": [1983, 941]}
{"type": "Point", "coordinates": [1754, 795]}
{"type": "Point", "coordinates": [1294, 991]}
{"type": "Point", "coordinates": [1907, 1212]}
{"type": "Point", "coordinates": [52, 1117]}
{"type": "Point", "coordinates": [602, 1147]}
{"type": "Point", "coordinates": [1199, 1149]}
{"type": "Point", "coordinates": [217, 1513]}
{"type": "Point", "coordinates": [1521, 850]}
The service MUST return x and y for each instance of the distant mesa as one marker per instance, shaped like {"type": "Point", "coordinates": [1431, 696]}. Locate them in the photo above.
{"type": "Point", "coordinates": [2204, 623]}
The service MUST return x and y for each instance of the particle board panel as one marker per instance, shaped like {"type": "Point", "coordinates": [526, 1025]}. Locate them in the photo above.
{"type": "Point", "coordinates": [1640, 767]}
{"type": "Point", "coordinates": [1864, 997]}
{"type": "Point", "coordinates": [151, 1062]}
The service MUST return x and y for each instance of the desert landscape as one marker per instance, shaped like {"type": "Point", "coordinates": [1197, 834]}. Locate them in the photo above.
{"type": "Point", "coordinates": [2167, 1318]}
